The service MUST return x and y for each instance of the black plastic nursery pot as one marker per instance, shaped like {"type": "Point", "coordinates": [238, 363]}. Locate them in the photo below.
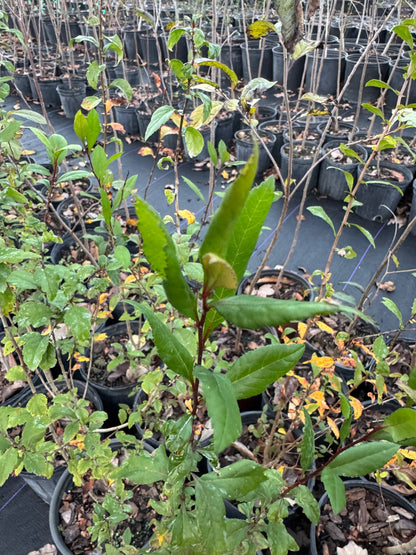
{"type": "Point", "coordinates": [257, 60]}
{"type": "Point", "coordinates": [304, 152]}
{"type": "Point", "coordinates": [396, 82]}
{"type": "Point", "coordinates": [295, 72]}
{"type": "Point", "coordinates": [126, 116]}
{"type": "Point", "coordinates": [332, 181]}
{"type": "Point", "coordinates": [42, 486]}
{"type": "Point", "coordinates": [231, 55]}
{"type": "Point", "coordinates": [324, 71]}
{"type": "Point", "coordinates": [275, 127]}
{"type": "Point", "coordinates": [384, 493]}
{"type": "Point", "coordinates": [65, 484]}
{"type": "Point", "coordinates": [380, 199]}
{"type": "Point", "coordinates": [377, 68]}
{"type": "Point", "coordinates": [244, 146]}
{"type": "Point", "coordinates": [71, 98]}
{"type": "Point", "coordinates": [413, 207]}
{"type": "Point", "coordinates": [342, 133]}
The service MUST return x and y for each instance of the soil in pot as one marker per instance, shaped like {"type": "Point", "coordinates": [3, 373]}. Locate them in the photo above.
{"type": "Point", "coordinates": [303, 155]}
{"type": "Point", "coordinates": [84, 209]}
{"type": "Point", "coordinates": [292, 286]}
{"type": "Point", "coordinates": [373, 519]}
{"type": "Point", "coordinates": [244, 148]}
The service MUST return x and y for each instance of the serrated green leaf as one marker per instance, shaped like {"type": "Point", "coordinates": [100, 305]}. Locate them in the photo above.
{"type": "Point", "coordinates": [319, 212]}
{"type": "Point", "coordinates": [15, 374]}
{"type": "Point", "coordinates": [363, 458]}
{"type": "Point", "coordinates": [144, 468]}
{"type": "Point", "coordinates": [12, 127]}
{"type": "Point", "coordinates": [255, 370]}
{"type": "Point", "coordinates": [34, 348]}
{"type": "Point", "coordinates": [252, 312]}
{"type": "Point", "coordinates": [307, 448]}
{"type": "Point", "coordinates": [335, 489]}
{"type": "Point", "coordinates": [8, 462]}
{"type": "Point", "coordinates": [122, 254]}
{"type": "Point", "coordinates": [305, 499]}
{"type": "Point", "coordinates": [9, 254]}
{"type": "Point", "coordinates": [34, 313]}
{"type": "Point", "coordinates": [401, 424]}
{"type": "Point", "coordinates": [237, 479]}
{"type": "Point", "coordinates": [173, 353]}
{"type": "Point", "coordinates": [78, 318]}
{"type": "Point", "coordinates": [280, 541]}
{"type": "Point", "coordinates": [225, 218]}
{"type": "Point", "coordinates": [30, 115]}
{"type": "Point", "coordinates": [222, 407]}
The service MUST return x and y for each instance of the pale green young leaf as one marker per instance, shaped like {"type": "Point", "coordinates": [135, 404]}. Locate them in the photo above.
{"type": "Point", "coordinates": [319, 212]}
{"type": "Point", "coordinates": [124, 87]}
{"type": "Point", "coordinates": [366, 234]}
{"type": "Point", "coordinates": [194, 141]}
{"type": "Point", "coordinates": [392, 306]}
{"type": "Point", "coordinates": [159, 118]}
{"type": "Point", "coordinates": [218, 273]}
{"type": "Point", "coordinates": [78, 318]}
{"type": "Point", "coordinates": [34, 347]}
{"type": "Point", "coordinates": [193, 188]}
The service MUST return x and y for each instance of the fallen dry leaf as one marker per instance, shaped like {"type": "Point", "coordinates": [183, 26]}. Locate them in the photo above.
{"type": "Point", "coordinates": [386, 286]}
{"type": "Point", "coordinates": [48, 549]}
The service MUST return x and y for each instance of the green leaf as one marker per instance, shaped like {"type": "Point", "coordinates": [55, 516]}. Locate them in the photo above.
{"type": "Point", "coordinates": [174, 36]}
{"type": "Point", "coordinates": [74, 174]}
{"type": "Point", "coordinates": [36, 464]}
{"type": "Point", "coordinates": [144, 468]}
{"type": "Point", "coordinates": [255, 370]}
{"type": "Point", "coordinates": [159, 117]}
{"type": "Point", "coordinates": [280, 541]}
{"type": "Point", "coordinates": [34, 348]}
{"type": "Point", "coordinates": [305, 499]}
{"type": "Point", "coordinates": [319, 212]}
{"type": "Point", "coordinates": [173, 353]}
{"type": "Point", "coordinates": [392, 306]}
{"type": "Point", "coordinates": [212, 153]}
{"type": "Point", "coordinates": [252, 312]}
{"type": "Point", "coordinates": [30, 115]}
{"type": "Point", "coordinates": [373, 109]}
{"type": "Point", "coordinates": [12, 127]}
{"type": "Point", "coordinates": [308, 443]}
{"type": "Point", "coordinates": [160, 251]}
{"type": "Point", "coordinates": [213, 63]}
{"type": "Point", "coordinates": [259, 83]}
{"type": "Point", "coordinates": [401, 424]}
{"type": "Point", "coordinates": [210, 516]}
{"type": "Point", "coordinates": [8, 463]}
{"type": "Point", "coordinates": [78, 318]}
{"type": "Point", "coordinates": [122, 254]}
{"type": "Point", "coordinates": [99, 162]}
{"type": "Point", "coordinates": [218, 273]}
{"type": "Point", "coordinates": [363, 458]}
{"type": "Point", "coordinates": [15, 374]}
{"type": "Point", "coordinates": [193, 188]}
{"type": "Point", "coordinates": [80, 126]}
{"type": "Point", "coordinates": [222, 407]}
{"type": "Point", "coordinates": [404, 33]}
{"type": "Point", "coordinates": [94, 128]}
{"type": "Point", "coordinates": [93, 73]}
{"type": "Point", "coordinates": [248, 226]}
{"type": "Point", "coordinates": [378, 83]}
{"type": "Point", "coordinates": [90, 102]}
{"type": "Point", "coordinates": [366, 234]}
{"type": "Point", "coordinates": [335, 489]}
{"type": "Point", "coordinates": [194, 141]}
{"type": "Point", "coordinates": [303, 47]}
{"type": "Point", "coordinates": [34, 313]}
{"type": "Point", "coordinates": [226, 217]}
{"type": "Point", "coordinates": [237, 479]}
{"type": "Point", "coordinates": [124, 87]}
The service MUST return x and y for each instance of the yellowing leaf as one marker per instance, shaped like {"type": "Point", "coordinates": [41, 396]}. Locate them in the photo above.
{"type": "Point", "coordinates": [146, 151]}
{"type": "Point", "coordinates": [321, 362]}
{"type": "Point", "coordinates": [188, 404]}
{"type": "Point", "coordinates": [333, 426]}
{"type": "Point", "coordinates": [117, 127]}
{"type": "Point", "coordinates": [324, 327]}
{"type": "Point", "coordinates": [357, 407]}
{"type": "Point", "coordinates": [318, 396]}
{"type": "Point", "coordinates": [28, 152]}
{"type": "Point", "coordinates": [104, 314]}
{"type": "Point", "coordinates": [47, 330]}
{"type": "Point", "coordinates": [131, 221]}
{"type": "Point", "coordinates": [303, 381]}
{"type": "Point", "coordinates": [187, 215]}
{"type": "Point", "coordinates": [176, 118]}
{"type": "Point", "coordinates": [408, 454]}
{"type": "Point", "coordinates": [225, 174]}
{"type": "Point", "coordinates": [100, 337]}
{"type": "Point", "coordinates": [102, 298]}
{"type": "Point", "coordinates": [109, 104]}
{"type": "Point", "coordinates": [302, 329]}
{"type": "Point", "coordinates": [130, 279]}
{"type": "Point", "coordinates": [260, 29]}
{"type": "Point", "coordinates": [81, 358]}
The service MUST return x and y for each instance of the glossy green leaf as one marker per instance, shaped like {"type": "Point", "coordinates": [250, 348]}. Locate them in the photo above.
{"type": "Point", "coordinates": [81, 126]}
{"type": "Point", "coordinates": [159, 118]}
{"type": "Point", "coordinates": [78, 318]}
{"type": "Point", "coordinates": [222, 407]}
{"type": "Point", "coordinates": [93, 73]}
{"type": "Point", "coordinates": [378, 83]}
{"type": "Point", "coordinates": [30, 115]}
{"type": "Point", "coordinates": [105, 205]}
{"type": "Point", "coordinates": [94, 128]}
{"type": "Point", "coordinates": [34, 348]}
{"type": "Point", "coordinates": [237, 479]}
{"type": "Point", "coordinates": [252, 312]}
{"type": "Point", "coordinates": [255, 370]}
{"type": "Point", "coordinates": [307, 448]}
{"type": "Point", "coordinates": [319, 212]}
{"type": "Point", "coordinates": [144, 468]}
{"type": "Point", "coordinates": [122, 254]}
{"type": "Point", "coordinates": [373, 110]}
{"type": "Point", "coordinates": [280, 541]}
{"type": "Point", "coordinates": [75, 174]}
{"type": "Point", "coordinates": [404, 33]}
{"type": "Point", "coordinates": [225, 218]}
{"type": "Point", "coordinates": [210, 516]}
{"type": "Point", "coordinates": [218, 273]}
{"type": "Point", "coordinates": [174, 37]}
{"type": "Point", "coordinates": [366, 234]}
{"type": "Point", "coordinates": [99, 162]}
{"type": "Point", "coordinates": [194, 141]}
{"type": "Point", "coordinates": [173, 353]}
{"type": "Point", "coordinates": [34, 313]}
{"type": "Point", "coordinates": [335, 489]}
{"type": "Point", "coordinates": [363, 458]}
